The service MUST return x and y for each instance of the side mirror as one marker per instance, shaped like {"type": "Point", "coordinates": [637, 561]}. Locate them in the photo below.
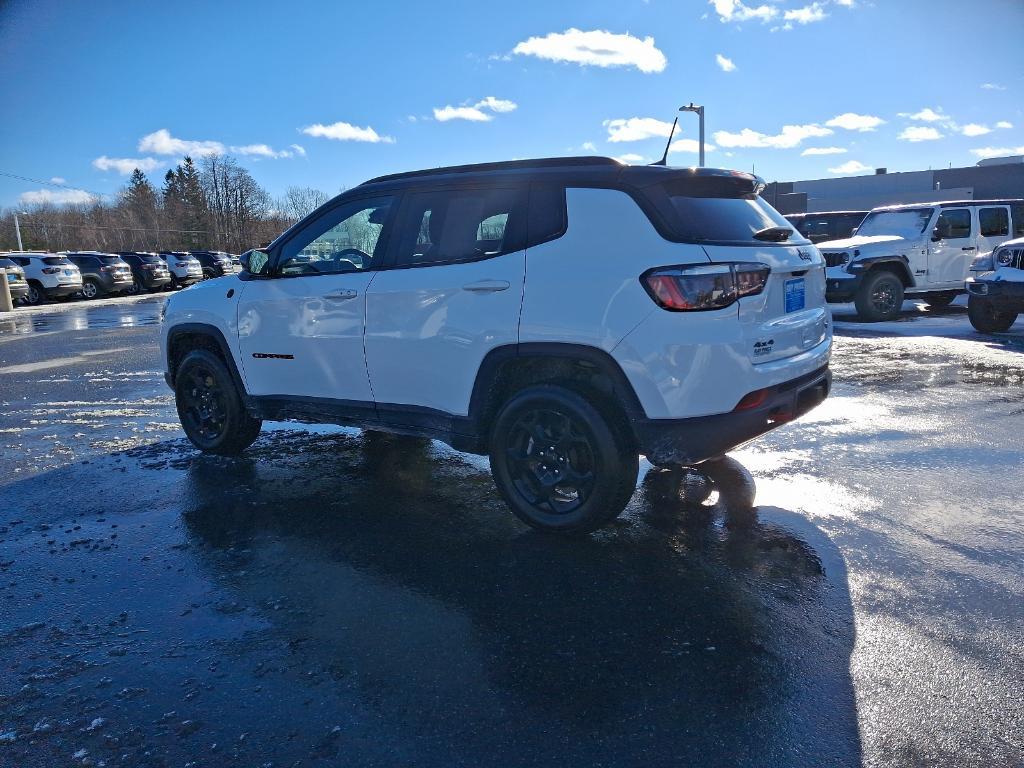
{"type": "Point", "coordinates": [255, 261]}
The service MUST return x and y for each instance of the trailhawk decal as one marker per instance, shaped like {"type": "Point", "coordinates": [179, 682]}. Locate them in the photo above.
{"type": "Point", "coordinates": [271, 356]}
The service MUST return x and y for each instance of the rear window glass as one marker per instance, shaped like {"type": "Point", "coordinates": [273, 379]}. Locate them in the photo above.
{"type": "Point", "coordinates": [54, 261]}
{"type": "Point", "coordinates": [721, 210]}
{"type": "Point", "coordinates": [149, 258]}
{"type": "Point", "coordinates": [7, 263]}
{"type": "Point", "coordinates": [110, 259]}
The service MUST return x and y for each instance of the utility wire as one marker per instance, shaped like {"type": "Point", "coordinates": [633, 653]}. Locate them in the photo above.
{"type": "Point", "coordinates": [53, 184]}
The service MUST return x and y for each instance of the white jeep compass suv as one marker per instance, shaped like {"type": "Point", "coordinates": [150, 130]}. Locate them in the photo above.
{"type": "Point", "coordinates": [561, 315]}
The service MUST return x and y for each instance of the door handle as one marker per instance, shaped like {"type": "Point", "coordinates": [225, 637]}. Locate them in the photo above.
{"type": "Point", "coordinates": [487, 286]}
{"type": "Point", "coordinates": [967, 248]}
{"type": "Point", "coordinates": [342, 295]}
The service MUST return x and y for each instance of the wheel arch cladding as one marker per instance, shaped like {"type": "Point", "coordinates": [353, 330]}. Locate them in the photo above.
{"type": "Point", "coordinates": [509, 369]}
{"type": "Point", "coordinates": [896, 266]}
{"type": "Point", "coordinates": [186, 337]}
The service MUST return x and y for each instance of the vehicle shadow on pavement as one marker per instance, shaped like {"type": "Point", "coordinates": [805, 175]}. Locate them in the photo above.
{"type": "Point", "coordinates": [668, 634]}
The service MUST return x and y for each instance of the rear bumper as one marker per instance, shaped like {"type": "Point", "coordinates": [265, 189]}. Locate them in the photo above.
{"type": "Point", "coordinates": [690, 441]}
{"type": "Point", "coordinates": [57, 291]}
{"type": "Point", "coordinates": [19, 290]}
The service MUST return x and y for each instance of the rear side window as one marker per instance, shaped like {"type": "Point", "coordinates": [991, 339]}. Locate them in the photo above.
{"type": "Point", "coordinates": [450, 226]}
{"type": "Point", "coordinates": [994, 222]}
{"type": "Point", "coordinates": [55, 261]}
{"type": "Point", "coordinates": [1017, 212]}
{"type": "Point", "coordinates": [547, 217]}
{"type": "Point", "coordinates": [721, 209]}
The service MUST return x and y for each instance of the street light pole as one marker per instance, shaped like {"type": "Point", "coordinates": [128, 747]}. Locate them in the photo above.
{"type": "Point", "coordinates": [691, 107]}
{"type": "Point", "coordinates": [17, 231]}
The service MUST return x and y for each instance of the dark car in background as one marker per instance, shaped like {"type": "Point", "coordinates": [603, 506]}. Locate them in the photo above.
{"type": "Point", "coordinates": [149, 271]}
{"type": "Point", "coordinates": [215, 263]}
{"type": "Point", "coordinates": [16, 282]}
{"type": "Point", "coordinates": [103, 274]}
{"type": "Point", "coordinates": [826, 225]}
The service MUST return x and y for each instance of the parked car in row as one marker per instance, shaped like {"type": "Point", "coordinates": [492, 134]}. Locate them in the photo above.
{"type": "Point", "coordinates": [215, 263]}
{"type": "Point", "coordinates": [49, 276]}
{"type": "Point", "coordinates": [16, 282]}
{"type": "Point", "coordinates": [917, 250]}
{"type": "Point", "coordinates": [103, 274]}
{"type": "Point", "coordinates": [149, 271]}
{"type": "Point", "coordinates": [996, 291]}
{"type": "Point", "coordinates": [561, 315]}
{"type": "Point", "coordinates": [826, 225]}
{"type": "Point", "coordinates": [185, 269]}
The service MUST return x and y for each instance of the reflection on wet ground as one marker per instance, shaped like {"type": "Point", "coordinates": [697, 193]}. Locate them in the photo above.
{"type": "Point", "coordinates": [83, 315]}
{"type": "Point", "coordinates": [365, 598]}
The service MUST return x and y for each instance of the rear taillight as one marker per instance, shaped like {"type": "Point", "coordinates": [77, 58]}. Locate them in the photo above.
{"type": "Point", "coordinates": [704, 286]}
{"type": "Point", "coordinates": [51, 270]}
{"type": "Point", "coordinates": [181, 264]}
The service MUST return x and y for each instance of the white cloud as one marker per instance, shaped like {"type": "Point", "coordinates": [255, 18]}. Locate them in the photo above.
{"type": "Point", "coordinates": [790, 136]}
{"type": "Point", "coordinates": [496, 105]}
{"type": "Point", "coordinates": [474, 113]}
{"type": "Point", "coordinates": [734, 10]}
{"type": "Point", "coordinates": [263, 150]}
{"type": "Point", "coordinates": [341, 131]}
{"type": "Point", "coordinates": [444, 114]}
{"type": "Point", "coordinates": [927, 115]}
{"type": "Point", "coordinates": [806, 15]}
{"type": "Point", "coordinates": [58, 180]}
{"type": "Point", "coordinates": [589, 146]}
{"type": "Point", "coordinates": [125, 165]}
{"type": "Point", "coordinates": [973, 129]}
{"type": "Point", "coordinates": [845, 3]}
{"type": "Point", "coordinates": [993, 87]}
{"type": "Point", "coordinates": [162, 143]}
{"type": "Point", "coordinates": [984, 152]}
{"type": "Point", "coordinates": [55, 197]}
{"type": "Point", "coordinates": [919, 133]}
{"type": "Point", "coordinates": [823, 151]}
{"type": "Point", "coordinates": [689, 145]}
{"type": "Point", "coordinates": [850, 166]}
{"type": "Point", "coordinates": [725, 64]}
{"type": "Point", "coordinates": [636, 129]}
{"type": "Point", "coordinates": [1004, 124]}
{"type": "Point", "coordinates": [851, 121]}
{"type": "Point", "coordinates": [298, 149]}
{"type": "Point", "coordinates": [631, 159]}
{"type": "Point", "coordinates": [596, 48]}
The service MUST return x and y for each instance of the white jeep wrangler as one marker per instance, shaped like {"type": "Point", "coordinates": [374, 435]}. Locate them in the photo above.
{"type": "Point", "coordinates": [919, 250]}
{"type": "Point", "coordinates": [562, 316]}
{"type": "Point", "coordinates": [996, 291]}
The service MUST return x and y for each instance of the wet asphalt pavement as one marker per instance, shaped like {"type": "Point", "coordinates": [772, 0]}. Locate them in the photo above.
{"type": "Point", "coordinates": [340, 599]}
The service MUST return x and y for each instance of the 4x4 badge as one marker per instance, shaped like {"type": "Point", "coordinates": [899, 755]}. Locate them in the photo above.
{"type": "Point", "coordinates": [803, 254]}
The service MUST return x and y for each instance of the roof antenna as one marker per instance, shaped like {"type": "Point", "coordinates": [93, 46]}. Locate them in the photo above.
{"type": "Point", "coordinates": [664, 157]}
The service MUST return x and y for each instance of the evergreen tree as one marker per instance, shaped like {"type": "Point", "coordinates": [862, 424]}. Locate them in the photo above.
{"type": "Point", "coordinates": [139, 204]}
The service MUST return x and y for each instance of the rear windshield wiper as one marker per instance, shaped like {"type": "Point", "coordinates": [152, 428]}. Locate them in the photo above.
{"type": "Point", "coordinates": [773, 234]}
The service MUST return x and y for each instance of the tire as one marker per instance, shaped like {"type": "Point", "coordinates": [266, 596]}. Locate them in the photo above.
{"type": "Point", "coordinates": [91, 290]}
{"type": "Point", "coordinates": [580, 480]}
{"type": "Point", "coordinates": [35, 296]}
{"type": "Point", "coordinates": [210, 406]}
{"type": "Point", "coordinates": [880, 296]}
{"type": "Point", "coordinates": [940, 300]}
{"type": "Point", "coordinates": [135, 288]}
{"type": "Point", "coordinates": [986, 318]}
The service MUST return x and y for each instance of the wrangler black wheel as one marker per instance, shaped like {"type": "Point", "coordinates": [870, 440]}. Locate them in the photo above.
{"type": "Point", "coordinates": [210, 407]}
{"type": "Point", "coordinates": [559, 463]}
{"type": "Point", "coordinates": [880, 296]}
{"type": "Point", "coordinates": [986, 318]}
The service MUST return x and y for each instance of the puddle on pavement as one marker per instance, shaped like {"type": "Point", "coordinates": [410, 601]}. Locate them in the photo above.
{"type": "Point", "coordinates": [84, 317]}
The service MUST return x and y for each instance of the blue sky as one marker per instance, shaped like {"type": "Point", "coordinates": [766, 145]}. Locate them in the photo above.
{"type": "Point", "coordinates": [328, 94]}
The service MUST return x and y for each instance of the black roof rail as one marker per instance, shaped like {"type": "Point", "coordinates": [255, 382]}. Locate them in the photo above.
{"type": "Point", "coordinates": [503, 165]}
